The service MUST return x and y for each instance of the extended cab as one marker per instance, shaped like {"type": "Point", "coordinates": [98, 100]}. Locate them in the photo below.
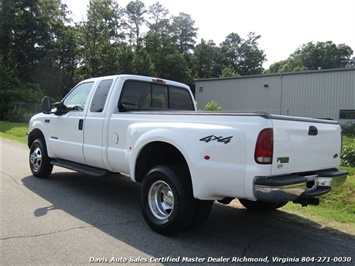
{"type": "Point", "coordinates": [150, 130]}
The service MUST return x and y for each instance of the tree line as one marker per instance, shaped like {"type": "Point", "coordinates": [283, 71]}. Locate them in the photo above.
{"type": "Point", "coordinates": [43, 52]}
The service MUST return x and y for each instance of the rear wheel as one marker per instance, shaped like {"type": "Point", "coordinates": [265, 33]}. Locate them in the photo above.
{"type": "Point", "coordinates": [39, 161]}
{"type": "Point", "coordinates": [259, 206]}
{"type": "Point", "coordinates": [167, 203]}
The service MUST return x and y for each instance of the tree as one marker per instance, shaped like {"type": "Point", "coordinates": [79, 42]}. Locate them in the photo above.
{"type": "Point", "coordinates": [166, 59]}
{"type": "Point", "coordinates": [135, 11]}
{"type": "Point", "coordinates": [324, 55]}
{"type": "Point", "coordinates": [160, 24]}
{"type": "Point", "coordinates": [170, 64]}
{"type": "Point", "coordinates": [55, 72]}
{"type": "Point", "coordinates": [228, 72]}
{"type": "Point", "coordinates": [351, 62]}
{"type": "Point", "coordinates": [251, 57]}
{"type": "Point", "coordinates": [160, 30]}
{"type": "Point", "coordinates": [243, 56]}
{"type": "Point", "coordinates": [26, 33]}
{"type": "Point", "coordinates": [101, 35]}
{"type": "Point", "coordinates": [142, 63]}
{"type": "Point", "coordinates": [310, 56]}
{"type": "Point", "coordinates": [184, 32]}
{"type": "Point", "coordinates": [68, 60]}
{"type": "Point", "coordinates": [31, 54]}
{"type": "Point", "coordinates": [206, 60]}
{"type": "Point", "coordinates": [125, 56]}
{"type": "Point", "coordinates": [288, 65]}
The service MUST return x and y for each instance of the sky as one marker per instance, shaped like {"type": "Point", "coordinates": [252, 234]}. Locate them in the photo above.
{"type": "Point", "coordinates": [284, 25]}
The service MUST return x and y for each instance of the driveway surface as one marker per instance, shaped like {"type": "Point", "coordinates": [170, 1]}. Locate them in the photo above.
{"type": "Point", "coordinates": [74, 219]}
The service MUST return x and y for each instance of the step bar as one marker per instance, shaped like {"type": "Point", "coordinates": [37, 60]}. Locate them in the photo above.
{"type": "Point", "coordinates": [85, 169]}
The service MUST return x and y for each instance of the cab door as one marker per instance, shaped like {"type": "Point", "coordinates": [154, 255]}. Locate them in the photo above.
{"type": "Point", "coordinates": [67, 130]}
{"type": "Point", "coordinates": [94, 130]}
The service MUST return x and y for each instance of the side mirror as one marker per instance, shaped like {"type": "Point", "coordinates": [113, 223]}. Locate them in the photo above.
{"type": "Point", "coordinates": [60, 108]}
{"type": "Point", "coordinates": [46, 105]}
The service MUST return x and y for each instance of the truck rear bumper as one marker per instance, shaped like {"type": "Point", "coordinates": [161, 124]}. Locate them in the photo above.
{"type": "Point", "coordinates": [298, 187]}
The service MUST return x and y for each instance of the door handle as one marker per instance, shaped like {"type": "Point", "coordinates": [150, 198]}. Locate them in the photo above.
{"type": "Point", "coordinates": [81, 123]}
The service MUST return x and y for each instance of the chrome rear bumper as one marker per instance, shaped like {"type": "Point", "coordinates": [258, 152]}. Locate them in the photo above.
{"type": "Point", "coordinates": [298, 187]}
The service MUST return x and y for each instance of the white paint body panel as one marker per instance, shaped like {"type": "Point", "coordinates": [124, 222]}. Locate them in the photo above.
{"type": "Point", "coordinates": [113, 140]}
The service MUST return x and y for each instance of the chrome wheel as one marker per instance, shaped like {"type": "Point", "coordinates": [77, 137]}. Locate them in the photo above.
{"type": "Point", "coordinates": [36, 159]}
{"type": "Point", "coordinates": [167, 201]}
{"type": "Point", "coordinates": [39, 161]}
{"type": "Point", "coordinates": [161, 200]}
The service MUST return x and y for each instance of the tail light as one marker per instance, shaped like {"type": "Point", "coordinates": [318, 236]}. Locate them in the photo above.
{"type": "Point", "coordinates": [264, 146]}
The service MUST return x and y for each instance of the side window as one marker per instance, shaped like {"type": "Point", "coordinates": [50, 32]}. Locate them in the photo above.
{"type": "Point", "coordinates": [99, 100]}
{"type": "Point", "coordinates": [136, 93]}
{"type": "Point", "coordinates": [144, 94]}
{"type": "Point", "coordinates": [76, 99]}
{"type": "Point", "coordinates": [159, 96]}
{"type": "Point", "coordinates": [180, 99]}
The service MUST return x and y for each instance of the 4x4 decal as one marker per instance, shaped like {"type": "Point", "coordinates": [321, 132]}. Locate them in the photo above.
{"type": "Point", "coordinates": [222, 139]}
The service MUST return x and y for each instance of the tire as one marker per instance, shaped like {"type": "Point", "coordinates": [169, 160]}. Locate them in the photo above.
{"type": "Point", "coordinates": [167, 202]}
{"type": "Point", "coordinates": [39, 161]}
{"type": "Point", "coordinates": [260, 206]}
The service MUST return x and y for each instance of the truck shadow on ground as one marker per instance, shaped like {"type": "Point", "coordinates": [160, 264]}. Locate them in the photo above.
{"type": "Point", "coordinates": [111, 204]}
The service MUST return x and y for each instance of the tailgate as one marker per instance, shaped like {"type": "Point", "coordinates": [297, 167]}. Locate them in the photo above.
{"type": "Point", "coordinates": [302, 144]}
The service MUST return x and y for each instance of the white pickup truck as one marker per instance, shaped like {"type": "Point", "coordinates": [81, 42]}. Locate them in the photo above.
{"type": "Point", "coordinates": [150, 130]}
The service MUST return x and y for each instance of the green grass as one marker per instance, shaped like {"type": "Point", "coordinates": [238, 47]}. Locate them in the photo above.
{"type": "Point", "coordinates": [336, 209]}
{"type": "Point", "coordinates": [338, 204]}
{"type": "Point", "coordinates": [343, 198]}
{"type": "Point", "coordinates": [14, 131]}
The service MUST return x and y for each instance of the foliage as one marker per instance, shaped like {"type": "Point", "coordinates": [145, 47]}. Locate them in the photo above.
{"type": "Point", "coordinates": [135, 11]}
{"type": "Point", "coordinates": [213, 106]}
{"type": "Point", "coordinates": [13, 90]}
{"type": "Point", "coordinates": [351, 62]}
{"type": "Point", "coordinates": [99, 37]}
{"type": "Point", "coordinates": [17, 114]}
{"type": "Point", "coordinates": [206, 60]}
{"type": "Point", "coordinates": [183, 32]}
{"type": "Point", "coordinates": [228, 72]}
{"type": "Point", "coordinates": [42, 52]}
{"type": "Point", "coordinates": [348, 153]}
{"type": "Point", "coordinates": [310, 56]}
{"type": "Point", "coordinates": [288, 65]}
{"type": "Point", "coordinates": [243, 56]}
{"type": "Point", "coordinates": [324, 55]}
{"type": "Point", "coordinates": [35, 52]}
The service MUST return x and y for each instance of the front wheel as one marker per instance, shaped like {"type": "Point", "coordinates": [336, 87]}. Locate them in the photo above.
{"type": "Point", "coordinates": [167, 203]}
{"type": "Point", "coordinates": [39, 161]}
